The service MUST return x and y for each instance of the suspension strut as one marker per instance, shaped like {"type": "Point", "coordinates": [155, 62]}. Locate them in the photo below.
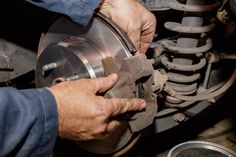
{"type": "Point", "coordinates": [185, 57]}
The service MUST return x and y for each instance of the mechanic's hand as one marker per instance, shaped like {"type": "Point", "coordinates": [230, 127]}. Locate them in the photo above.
{"type": "Point", "coordinates": [133, 18]}
{"type": "Point", "coordinates": [83, 115]}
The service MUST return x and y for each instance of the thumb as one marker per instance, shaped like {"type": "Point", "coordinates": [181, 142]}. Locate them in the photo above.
{"type": "Point", "coordinates": [103, 84]}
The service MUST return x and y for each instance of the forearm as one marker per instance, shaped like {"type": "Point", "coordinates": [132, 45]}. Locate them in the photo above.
{"type": "Point", "coordinates": [79, 11]}
{"type": "Point", "coordinates": [28, 122]}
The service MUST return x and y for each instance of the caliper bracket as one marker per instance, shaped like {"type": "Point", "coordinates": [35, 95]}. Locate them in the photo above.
{"type": "Point", "coordinates": [135, 80]}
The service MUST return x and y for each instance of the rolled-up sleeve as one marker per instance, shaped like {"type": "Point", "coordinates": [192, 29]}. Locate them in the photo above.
{"type": "Point", "coordinates": [79, 11]}
{"type": "Point", "coordinates": [28, 122]}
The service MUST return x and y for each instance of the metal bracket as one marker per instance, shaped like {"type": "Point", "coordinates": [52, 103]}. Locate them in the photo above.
{"type": "Point", "coordinates": [135, 80]}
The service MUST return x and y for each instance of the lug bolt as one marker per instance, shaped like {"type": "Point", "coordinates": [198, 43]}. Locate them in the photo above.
{"type": "Point", "coordinates": [78, 76]}
{"type": "Point", "coordinates": [72, 78]}
{"type": "Point", "coordinates": [48, 67]}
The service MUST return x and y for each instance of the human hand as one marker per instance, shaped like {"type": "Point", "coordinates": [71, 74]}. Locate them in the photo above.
{"type": "Point", "coordinates": [133, 18]}
{"type": "Point", "coordinates": [83, 115]}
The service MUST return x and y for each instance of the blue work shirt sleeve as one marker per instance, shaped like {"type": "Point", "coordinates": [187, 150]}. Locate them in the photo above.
{"type": "Point", "coordinates": [28, 122]}
{"type": "Point", "coordinates": [79, 11]}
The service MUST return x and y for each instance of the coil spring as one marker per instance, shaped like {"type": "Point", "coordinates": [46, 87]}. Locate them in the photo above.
{"type": "Point", "coordinates": [181, 66]}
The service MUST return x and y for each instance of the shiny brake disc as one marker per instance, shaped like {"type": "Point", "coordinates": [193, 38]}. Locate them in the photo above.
{"type": "Point", "coordinates": [68, 52]}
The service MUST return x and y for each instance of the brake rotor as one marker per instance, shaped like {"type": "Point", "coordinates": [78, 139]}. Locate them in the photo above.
{"type": "Point", "coordinates": [68, 51]}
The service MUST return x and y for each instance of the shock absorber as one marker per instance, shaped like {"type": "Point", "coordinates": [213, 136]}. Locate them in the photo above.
{"type": "Point", "coordinates": [185, 57]}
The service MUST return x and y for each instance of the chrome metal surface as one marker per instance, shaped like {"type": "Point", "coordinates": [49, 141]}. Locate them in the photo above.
{"type": "Point", "coordinates": [201, 149]}
{"type": "Point", "coordinates": [80, 49]}
{"type": "Point", "coordinates": [78, 52]}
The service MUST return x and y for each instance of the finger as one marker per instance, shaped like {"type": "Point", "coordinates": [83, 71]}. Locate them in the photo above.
{"type": "Point", "coordinates": [102, 84]}
{"type": "Point", "coordinates": [113, 125]}
{"type": "Point", "coordinates": [118, 106]}
{"type": "Point", "coordinates": [135, 37]}
{"type": "Point", "coordinates": [145, 43]}
{"type": "Point", "coordinates": [146, 40]}
{"type": "Point", "coordinates": [148, 31]}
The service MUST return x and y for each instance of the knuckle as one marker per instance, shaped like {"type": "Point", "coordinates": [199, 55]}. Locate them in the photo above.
{"type": "Point", "coordinates": [121, 105]}
{"type": "Point", "coordinates": [102, 108]}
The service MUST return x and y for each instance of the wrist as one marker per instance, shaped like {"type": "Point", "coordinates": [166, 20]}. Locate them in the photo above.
{"type": "Point", "coordinates": [57, 96]}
